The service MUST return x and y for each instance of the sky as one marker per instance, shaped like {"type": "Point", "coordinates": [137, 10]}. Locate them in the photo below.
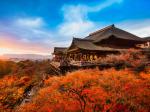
{"type": "Point", "coordinates": [36, 26]}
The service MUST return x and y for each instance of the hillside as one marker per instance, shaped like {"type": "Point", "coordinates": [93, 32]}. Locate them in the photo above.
{"type": "Point", "coordinates": [19, 57]}
{"type": "Point", "coordinates": [80, 91]}
{"type": "Point", "coordinates": [33, 86]}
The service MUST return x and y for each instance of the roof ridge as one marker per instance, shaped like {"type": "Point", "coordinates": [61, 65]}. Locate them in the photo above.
{"type": "Point", "coordinates": [147, 37]}
{"type": "Point", "coordinates": [81, 39]}
{"type": "Point", "coordinates": [60, 47]}
{"type": "Point", "coordinates": [110, 26]}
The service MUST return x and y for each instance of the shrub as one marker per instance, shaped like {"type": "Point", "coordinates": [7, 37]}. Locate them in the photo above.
{"type": "Point", "coordinates": [127, 59]}
{"type": "Point", "coordinates": [93, 91]}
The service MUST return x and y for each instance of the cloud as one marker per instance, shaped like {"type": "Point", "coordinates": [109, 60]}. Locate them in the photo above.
{"type": "Point", "coordinates": [140, 28]}
{"type": "Point", "coordinates": [78, 29]}
{"type": "Point", "coordinates": [31, 34]}
{"type": "Point", "coordinates": [26, 35]}
{"type": "Point", "coordinates": [28, 29]}
{"type": "Point", "coordinates": [76, 21]}
{"type": "Point", "coordinates": [143, 31]}
{"type": "Point", "coordinates": [30, 22]}
{"type": "Point", "coordinates": [10, 43]}
{"type": "Point", "coordinates": [104, 5]}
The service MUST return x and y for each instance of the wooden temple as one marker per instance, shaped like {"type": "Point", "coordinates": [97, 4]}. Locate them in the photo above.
{"type": "Point", "coordinates": [59, 53]}
{"type": "Point", "coordinates": [106, 41]}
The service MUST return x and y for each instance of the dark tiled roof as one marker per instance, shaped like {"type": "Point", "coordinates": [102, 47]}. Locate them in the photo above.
{"type": "Point", "coordinates": [59, 50]}
{"type": "Point", "coordinates": [109, 31]}
{"type": "Point", "coordinates": [86, 44]}
{"type": "Point", "coordinates": [146, 38]}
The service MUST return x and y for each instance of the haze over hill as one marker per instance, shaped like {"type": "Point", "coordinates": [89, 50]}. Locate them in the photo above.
{"type": "Point", "coordinates": [25, 56]}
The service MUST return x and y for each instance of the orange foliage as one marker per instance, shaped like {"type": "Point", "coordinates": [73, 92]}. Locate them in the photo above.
{"type": "Point", "coordinates": [93, 91]}
{"type": "Point", "coordinates": [11, 91]}
{"type": "Point", "coordinates": [131, 57]}
{"type": "Point", "coordinates": [81, 91]}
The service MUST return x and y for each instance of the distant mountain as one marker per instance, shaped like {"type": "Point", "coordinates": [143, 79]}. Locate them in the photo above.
{"type": "Point", "coordinates": [15, 57]}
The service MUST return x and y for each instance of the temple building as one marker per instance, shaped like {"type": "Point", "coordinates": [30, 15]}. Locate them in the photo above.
{"type": "Point", "coordinates": [146, 44]}
{"type": "Point", "coordinates": [59, 53]}
{"type": "Point", "coordinates": [106, 41]}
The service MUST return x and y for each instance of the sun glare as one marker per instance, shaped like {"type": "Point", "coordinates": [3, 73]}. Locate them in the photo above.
{"type": "Point", "coordinates": [5, 51]}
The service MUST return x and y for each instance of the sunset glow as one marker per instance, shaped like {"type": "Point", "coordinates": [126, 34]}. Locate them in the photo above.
{"type": "Point", "coordinates": [74, 55]}
{"type": "Point", "coordinates": [5, 51]}
{"type": "Point", "coordinates": [11, 45]}
{"type": "Point", "coordinates": [24, 29]}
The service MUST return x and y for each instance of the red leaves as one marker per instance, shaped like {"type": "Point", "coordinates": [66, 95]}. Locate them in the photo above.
{"type": "Point", "coordinates": [127, 87]}
{"type": "Point", "coordinates": [11, 90]}
{"type": "Point", "coordinates": [94, 90]}
{"type": "Point", "coordinates": [120, 108]}
{"type": "Point", "coordinates": [23, 80]}
{"type": "Point", "coordinates": [87, 91]}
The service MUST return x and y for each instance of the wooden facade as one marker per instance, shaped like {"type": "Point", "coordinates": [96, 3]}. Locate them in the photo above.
{"type": "Point", "coordinates": [109, 40]}
{"type": "Point", "coordinates": [59, 53]}
{"type": "Point", "coordinates": [82, 49]}
{"type": "Point", "coordinates": [146, 44]}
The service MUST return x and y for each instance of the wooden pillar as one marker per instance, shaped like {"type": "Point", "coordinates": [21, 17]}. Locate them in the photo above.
{"type": "Point", "coordinates": [78, 56]}
{"type": "Point", "coordinates": [75, 57]}
{"type": "Point", "coordinates": [88, 57]}
{"type": "Point", "coordinates": [81, 56]}
{"type": "Point", "coordinates": [72, 56]}
{"type": "Point", "coordinates": [85, 58]}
